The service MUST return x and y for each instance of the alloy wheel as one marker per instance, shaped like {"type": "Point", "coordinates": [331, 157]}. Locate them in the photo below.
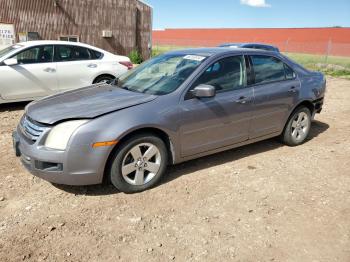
{"type": "Point", "coordinates": [141, 164]}
{"type": "Point", "coordinates": [300, 126]}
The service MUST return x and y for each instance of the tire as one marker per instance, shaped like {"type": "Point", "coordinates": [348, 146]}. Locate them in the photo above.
{"type": "Point", "coordinates": [104, 79]}
{"type": "Point", "coordinates": [138, 164]}
{"type": "Point", "coordinates": [298, 127]}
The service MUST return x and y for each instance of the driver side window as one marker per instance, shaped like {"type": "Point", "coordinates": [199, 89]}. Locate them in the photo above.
{"type": "Point", "coordinates": [225, 75]}
{"type": "Point", "coordinates": [34, 55]}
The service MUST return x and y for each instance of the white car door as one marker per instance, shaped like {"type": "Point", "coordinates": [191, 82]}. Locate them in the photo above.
{"type": "Point", "coordinates": [76, 66]}
{"type": "Point", "coordinates": [33, 76]}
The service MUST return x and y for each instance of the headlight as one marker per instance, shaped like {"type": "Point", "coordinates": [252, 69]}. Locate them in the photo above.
{"type": "Point", "coordinates": [59, 135]}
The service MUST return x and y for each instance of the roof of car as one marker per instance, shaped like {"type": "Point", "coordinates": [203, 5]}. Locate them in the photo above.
{"type": "Point", "coordinates": [217, 50]}
{"type": "Point", "coordinates": [243, 44]}
{"type": "Point", "coordinates": [51, 42]}
{"type": "Point", "coordinates": [57, 42]}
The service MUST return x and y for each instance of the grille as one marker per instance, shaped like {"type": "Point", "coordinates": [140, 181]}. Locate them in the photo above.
{"type": "Point", "coordinates": [31, 129]}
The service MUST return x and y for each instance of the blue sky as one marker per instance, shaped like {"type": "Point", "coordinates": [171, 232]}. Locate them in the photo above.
{"type": "Point", "coordinates": [249, 13]}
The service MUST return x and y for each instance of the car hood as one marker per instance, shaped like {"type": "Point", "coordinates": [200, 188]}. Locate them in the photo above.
{"type": "Point", "coordinates": [84, 103]}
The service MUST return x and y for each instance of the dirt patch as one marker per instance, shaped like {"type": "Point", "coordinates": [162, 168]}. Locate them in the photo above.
{"type": "Point", "coordinates": [262, 202]}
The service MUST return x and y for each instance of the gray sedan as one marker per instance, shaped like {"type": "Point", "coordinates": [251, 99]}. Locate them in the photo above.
{"type": "Point", "coordinates": [251, 45]}
{"type": "Point", "coordinates": [175, 107]}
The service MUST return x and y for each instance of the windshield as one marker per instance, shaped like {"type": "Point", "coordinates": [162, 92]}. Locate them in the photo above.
{"type": "Point", "coordinates": [9, 49]}
{"type": "Point", "coordinates": [161, 75]}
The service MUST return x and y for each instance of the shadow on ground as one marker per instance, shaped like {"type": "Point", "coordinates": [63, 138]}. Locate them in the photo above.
{"type": "Point", "coordinates": [179, 170]}
{"type": "Point", "coordinates": [236, 154]}
{"type": "Point", "coordinates": [96, 190]}
{"type": "Point", "coordinates": [13, 106]}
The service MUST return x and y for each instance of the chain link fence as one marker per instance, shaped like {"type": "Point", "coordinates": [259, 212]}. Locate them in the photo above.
{"type": "Point", "coordinates": [328, 48]}
{"type": "Point", "coordinates": [326, 56]}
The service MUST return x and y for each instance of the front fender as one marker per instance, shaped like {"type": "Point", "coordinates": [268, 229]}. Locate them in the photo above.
{"type": "Point", "coordinates": [117, 125]}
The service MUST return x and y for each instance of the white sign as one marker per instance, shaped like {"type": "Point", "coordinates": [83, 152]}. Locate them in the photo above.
{"type": "Point", "coordinates": [195, 57]}
{"type": "Point", "coordinates": [7, 35]}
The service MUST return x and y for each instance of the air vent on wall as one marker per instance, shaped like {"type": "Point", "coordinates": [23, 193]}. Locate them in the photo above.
{"type": "Point", "coordinates": [107, 33]}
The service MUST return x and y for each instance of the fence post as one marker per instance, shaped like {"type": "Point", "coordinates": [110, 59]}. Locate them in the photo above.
{"type": "Point", "coordinates": [286, 45]}
{"type": "Point", "coordinates": [329, 48]}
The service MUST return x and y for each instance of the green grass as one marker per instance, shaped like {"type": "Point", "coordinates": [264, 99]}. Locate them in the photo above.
{"type": "Point", "coordinates": [160, 49]}
{"type": "Point", "coordinates": [336, 66]}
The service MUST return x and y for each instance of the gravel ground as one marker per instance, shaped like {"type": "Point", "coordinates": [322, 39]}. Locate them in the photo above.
{"type": "Point", "coordinates": [262, 202]}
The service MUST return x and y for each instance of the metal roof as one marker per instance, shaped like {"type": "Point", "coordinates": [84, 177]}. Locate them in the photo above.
{"type": "Point", "coordinates": [143, 2]}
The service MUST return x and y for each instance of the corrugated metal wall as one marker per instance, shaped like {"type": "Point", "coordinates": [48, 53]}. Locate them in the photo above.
{"type": "Point", "coordinates": [129, 20]}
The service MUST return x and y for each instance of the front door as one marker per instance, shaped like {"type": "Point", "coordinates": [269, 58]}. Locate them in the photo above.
{"type": "Point", "coordinates": [34, 76]}
{"type": "Point", "coordinates": [211, 123]}
{"type": "Point", "coordinates": [276, 90]}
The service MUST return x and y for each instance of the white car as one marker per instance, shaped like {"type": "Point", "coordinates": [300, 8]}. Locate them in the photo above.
{"type": "Point", "coordinates": [35, 69]}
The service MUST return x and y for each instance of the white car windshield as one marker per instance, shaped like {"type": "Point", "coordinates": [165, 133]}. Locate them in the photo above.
{"type": "Point", "coordinates": [9, 49]}
{"type": "Point", "coordinates": [161, 75]}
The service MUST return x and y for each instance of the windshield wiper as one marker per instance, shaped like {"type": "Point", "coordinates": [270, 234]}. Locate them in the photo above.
{"type": "Point", "coordinates": [115, 82]}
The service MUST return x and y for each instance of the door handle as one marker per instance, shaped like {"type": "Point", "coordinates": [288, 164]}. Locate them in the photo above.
{"type": "Point", "coordinates": [242, 100]}
{"type": "Point", "coordinates": [50, 70]}
{"type": "Point", "coordinates": [92, 65]}
{"type": "Point", "coordinates": [292, 89]}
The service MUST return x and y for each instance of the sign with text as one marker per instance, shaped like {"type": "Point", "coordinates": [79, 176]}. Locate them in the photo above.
{"type": "Point", "coordinates": [7, 35]}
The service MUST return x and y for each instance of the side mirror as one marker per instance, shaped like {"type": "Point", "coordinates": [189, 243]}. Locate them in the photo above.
{"type": "Point", "coordinates": [204, 91]}
{"type": "Point", "coordinates": [11, 62]}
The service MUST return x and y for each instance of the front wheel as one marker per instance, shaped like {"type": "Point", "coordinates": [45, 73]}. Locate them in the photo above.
{"type": "Point", "coordinates": [298, 127]}
{"type": "Point", "coordinates": [138, 164]}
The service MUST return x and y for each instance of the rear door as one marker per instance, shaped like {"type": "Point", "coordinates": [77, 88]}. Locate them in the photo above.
{"type": "Point", "coordinates": [76, 66]}
{"type": "Point", "coordinates": [34, 76]}
{"type": "Point", "coordinates": [211, 123]}
{"type": "Point", "coordinates": [276, 90]}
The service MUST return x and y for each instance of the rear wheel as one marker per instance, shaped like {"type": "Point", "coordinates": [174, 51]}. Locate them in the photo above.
{"type": "Point", "coordinates": [104, 79]}
{"type": "Point", "coordinates": [298, 127]}
{"type": "Point", "coordinates": [138, 164]}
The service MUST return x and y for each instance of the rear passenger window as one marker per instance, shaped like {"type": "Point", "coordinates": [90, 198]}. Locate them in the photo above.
{"type": "Point", "coordinates": [267, 69]}
{"type": "Point", "coordinates": [64, 53]}
{"type": "Point", "coordinates": [81, 53]}
{"type": "Point", "coordinates": [73, 53]}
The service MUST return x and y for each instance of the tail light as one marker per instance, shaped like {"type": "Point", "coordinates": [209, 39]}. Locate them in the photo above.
{"type": "Point", "coordinates": [128, 64]}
